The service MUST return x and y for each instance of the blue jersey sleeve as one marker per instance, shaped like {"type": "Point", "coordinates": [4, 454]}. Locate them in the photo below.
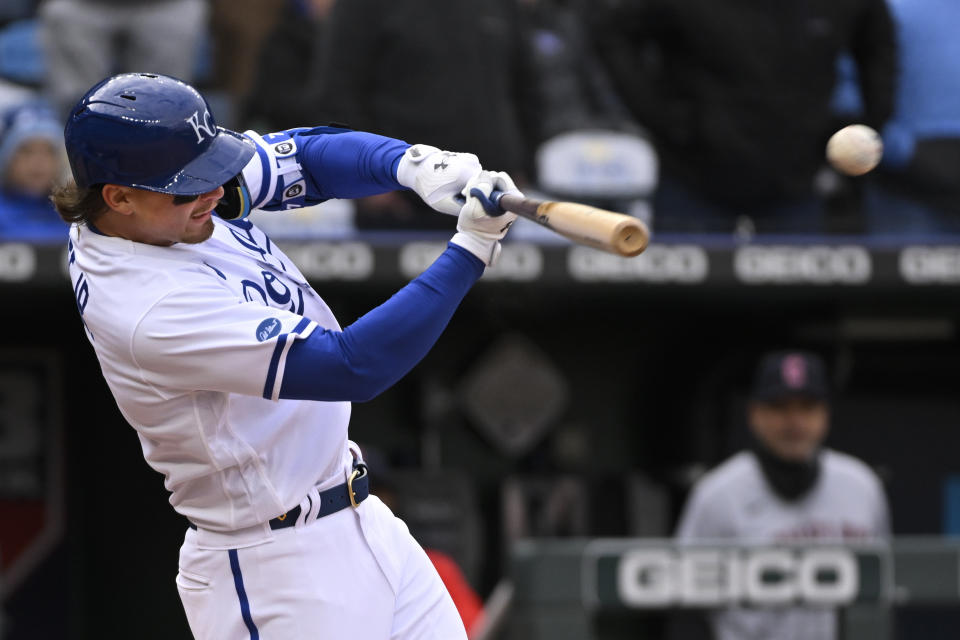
{"type": "Point", "coordinates": [370, 355]}
{"type": "Point", "coordinates": [302, 167]}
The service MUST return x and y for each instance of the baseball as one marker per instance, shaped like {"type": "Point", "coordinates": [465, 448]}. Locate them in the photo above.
{"type": "Point", "coordinates": [855, 150]}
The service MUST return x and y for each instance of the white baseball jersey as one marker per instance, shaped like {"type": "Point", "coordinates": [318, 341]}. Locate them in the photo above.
{"type": "Point", "coordinates": [192, 341]}
{"type": "Point", "coordinates": [734, 501]}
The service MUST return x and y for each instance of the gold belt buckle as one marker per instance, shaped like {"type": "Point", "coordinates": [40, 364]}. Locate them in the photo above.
{"type": "Point", "coordinates": [358, 472]}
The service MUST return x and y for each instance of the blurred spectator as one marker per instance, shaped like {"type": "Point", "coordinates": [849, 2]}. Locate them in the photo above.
{"type": "Point", "coordinates": [569, 88]}
{"type": "Point", "coordinates": [239, 29]}
{"type": "Point", "coordinates": [917, 188]}
{"type": "Point", "coordinates": [281, 95]}
{"type": "Point", "coordinates": [22, 64]}
{"type": "Point", "coordinates": [12, 94]}
{"type": "Point", "coordinates": [737, 97]}
{"type": "Point", "coordinates": [22, 61]}
{"type": "Point", "coordinates": [786, 488]}
{"type": "Point", "coordinates": [88, 40]}
{"type": "Point", "coordinates": [11, 10]}
{"type": "Point", "coordinates": [30, 163]}
{"type": "Point", "coordinates": [441, 73]}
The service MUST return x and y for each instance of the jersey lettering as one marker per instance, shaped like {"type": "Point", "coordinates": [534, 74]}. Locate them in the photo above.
{"type": "Point", "coordinates": [273, 293]}
{"type": "Point", "coordinates": [81, 292]}
{"type": "Point", "coordinates": [242, 232]}
{"type": "Point", "coordinates": [215, 270]}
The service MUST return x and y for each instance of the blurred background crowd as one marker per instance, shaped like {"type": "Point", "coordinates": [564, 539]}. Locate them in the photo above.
{"type": "Point", "coordinates": [706, 118]}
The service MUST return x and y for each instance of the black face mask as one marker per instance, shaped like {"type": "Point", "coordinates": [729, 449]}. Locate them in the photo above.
{"type": "Point", "coordinates": [789, 480]}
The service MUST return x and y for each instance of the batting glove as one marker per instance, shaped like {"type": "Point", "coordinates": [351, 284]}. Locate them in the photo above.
{"type": "Point", "coordinates": [437, 176]}
{"type": "Point", "coordinates": [477, 231]}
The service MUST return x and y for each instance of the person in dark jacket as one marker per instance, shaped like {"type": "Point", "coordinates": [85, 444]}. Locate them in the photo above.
{"type": "Point", "coordinates": [447, 72]}
{"type": "Point", "coordinates": [737, 96]}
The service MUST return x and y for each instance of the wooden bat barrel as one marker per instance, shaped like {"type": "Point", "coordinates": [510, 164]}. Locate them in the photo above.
{"type": "Point", "coordinates": [614, 232]}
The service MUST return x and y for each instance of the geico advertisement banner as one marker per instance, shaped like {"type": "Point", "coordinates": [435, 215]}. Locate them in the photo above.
{"type": "Point", "coordinates": [678, 576]}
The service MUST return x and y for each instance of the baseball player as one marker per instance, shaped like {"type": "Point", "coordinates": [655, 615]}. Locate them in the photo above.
{"type": "Point", "coordinates": [786, 488]}
{"type": "Point", "coordinates": [235, 374]}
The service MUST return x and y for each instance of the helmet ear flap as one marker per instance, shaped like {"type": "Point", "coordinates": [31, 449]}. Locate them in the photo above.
{"type": "Point", "coordinates": [235, 203]}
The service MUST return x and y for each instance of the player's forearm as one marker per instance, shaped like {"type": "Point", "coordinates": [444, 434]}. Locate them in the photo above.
{"type": "Point", "coordinates": [353, 164]}
{"type": "Point", "coordinates": [378, 349]}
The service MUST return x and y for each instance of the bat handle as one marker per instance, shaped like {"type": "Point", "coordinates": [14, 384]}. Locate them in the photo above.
{"type": "Point", "coordinates": [490, 204]}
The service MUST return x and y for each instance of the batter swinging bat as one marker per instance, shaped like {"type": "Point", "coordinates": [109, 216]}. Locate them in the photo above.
{"type": "Point", "coordinates": [605, 230]}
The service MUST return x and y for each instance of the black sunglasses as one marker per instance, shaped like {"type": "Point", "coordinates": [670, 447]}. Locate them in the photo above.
{"type": "Point", "coordinates": [178, 200]}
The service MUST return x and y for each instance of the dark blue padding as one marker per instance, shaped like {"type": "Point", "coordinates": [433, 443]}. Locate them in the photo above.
{"type": "Point", "coordinates": [370, 355]}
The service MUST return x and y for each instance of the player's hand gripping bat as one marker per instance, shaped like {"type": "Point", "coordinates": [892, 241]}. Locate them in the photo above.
{"type": "Point", "coordinates": [597, 228]}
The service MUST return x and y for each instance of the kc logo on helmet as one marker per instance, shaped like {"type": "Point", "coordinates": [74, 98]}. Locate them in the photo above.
{"type": "Point", "coordinates": [199, 124]}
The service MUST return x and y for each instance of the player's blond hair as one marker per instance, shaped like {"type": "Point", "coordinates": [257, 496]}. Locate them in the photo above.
{"type": "Point", "coordinates": [78, 205]}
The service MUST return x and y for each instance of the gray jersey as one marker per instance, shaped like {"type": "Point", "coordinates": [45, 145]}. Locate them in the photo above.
{"type": "Point", "coordinates": [734, 501]}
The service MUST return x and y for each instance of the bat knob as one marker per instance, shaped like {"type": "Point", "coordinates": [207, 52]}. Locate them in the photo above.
{"type": "Point", "coordinates": [491, 203]}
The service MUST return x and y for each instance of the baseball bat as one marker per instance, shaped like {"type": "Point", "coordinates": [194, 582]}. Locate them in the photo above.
{"type": "Point", "coordinates": [605, 230]}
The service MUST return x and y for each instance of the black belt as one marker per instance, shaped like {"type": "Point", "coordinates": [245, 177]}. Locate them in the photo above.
{"type": "Point", "coordinates": [349, 494]}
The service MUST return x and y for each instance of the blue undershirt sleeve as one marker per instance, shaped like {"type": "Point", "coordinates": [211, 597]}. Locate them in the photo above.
{"type": "Point", "coordinates": [350, 165]}
{"type": "Point", "coordinates": [370, 355]}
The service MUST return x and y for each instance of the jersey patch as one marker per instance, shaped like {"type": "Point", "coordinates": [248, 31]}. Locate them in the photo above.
{"type": "Point", "coordinates": [294, 195]}
{"type": "Point", "coordinates": [267, 329]}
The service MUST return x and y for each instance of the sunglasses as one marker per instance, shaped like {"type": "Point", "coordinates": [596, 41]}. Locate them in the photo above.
{"type": "Point", "coordinates": [235, 202]}
{"type": "Point", "coordinates": [178, 200]}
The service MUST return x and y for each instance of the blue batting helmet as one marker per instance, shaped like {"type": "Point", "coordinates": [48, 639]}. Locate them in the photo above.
{"type": "Point", "coordinates": [152, 132]}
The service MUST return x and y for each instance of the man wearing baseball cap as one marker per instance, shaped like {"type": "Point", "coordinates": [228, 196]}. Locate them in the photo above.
{"type": "Point", "coordinates": [787, 487]}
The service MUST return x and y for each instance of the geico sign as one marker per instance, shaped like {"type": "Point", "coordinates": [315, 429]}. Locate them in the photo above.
{"type": "Point", "coordinates": [683, 264]}
{"type": "Point", "coordinates": [809, 265]}
{"type": "Point", "coordinates": [417, 256]}
{"type": "Point", "coordinates": [342, 261]}
{"type": "Point", "coordinates": [710, 577]}
{"type": "Point", "coordinates": [926, 265]}
{"type": "Point", "coordinates": [518, 261]}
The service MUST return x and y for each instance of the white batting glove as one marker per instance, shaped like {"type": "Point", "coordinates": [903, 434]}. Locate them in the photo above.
{"type": "Point", "coordinates": [437, 176]}
{"type": "Point", "coordinates": [477, 231]}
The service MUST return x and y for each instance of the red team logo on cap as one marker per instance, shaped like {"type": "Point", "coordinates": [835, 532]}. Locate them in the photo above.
{"type": "Point", "coordinates": [793, 370]}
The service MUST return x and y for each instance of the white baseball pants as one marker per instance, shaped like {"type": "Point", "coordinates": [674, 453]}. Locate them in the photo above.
{"type": "Point", "coordinates": [357, 573]}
